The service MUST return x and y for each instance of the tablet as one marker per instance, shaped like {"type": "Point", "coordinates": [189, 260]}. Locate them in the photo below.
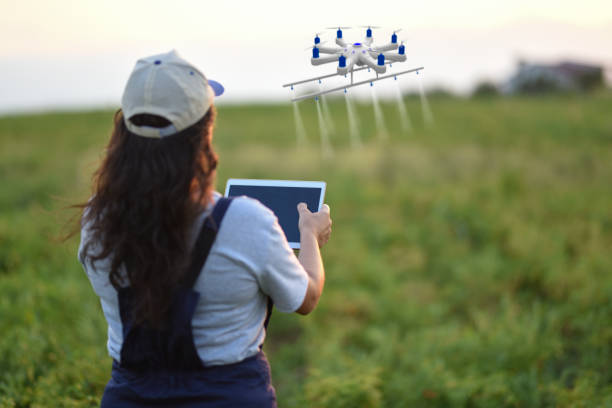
{"type": "Point", "coordinates": [282, 197]}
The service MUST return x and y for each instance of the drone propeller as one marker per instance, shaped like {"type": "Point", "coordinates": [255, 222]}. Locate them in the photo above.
{"type": "Point", "coordinates": [369, 26]}
{"type": "Point", "coordinates": [315, 45]}
{"type": "Point", "coordinates": [397, 31]}
{"type": "Point", "coordinates": [338, 28]}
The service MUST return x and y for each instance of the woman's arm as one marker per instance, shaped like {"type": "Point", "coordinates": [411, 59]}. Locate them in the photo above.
{"type": "Point", "coordinates": [315, 229]}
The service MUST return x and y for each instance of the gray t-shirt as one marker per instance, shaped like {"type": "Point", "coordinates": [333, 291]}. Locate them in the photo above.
{"type": "Point", "coordinates": [249, 260]}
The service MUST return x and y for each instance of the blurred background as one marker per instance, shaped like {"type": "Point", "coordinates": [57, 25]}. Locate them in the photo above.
{"type": "Point", "coordinates": [77, 54]}
{"type": "Point", "coordinates": [470, 260]}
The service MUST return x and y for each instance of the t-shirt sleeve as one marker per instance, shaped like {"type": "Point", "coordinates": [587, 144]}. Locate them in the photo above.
{"type": "Point", "coordinates": [282, 276]}
{"type": "Point", "coordinates": [85, 237]}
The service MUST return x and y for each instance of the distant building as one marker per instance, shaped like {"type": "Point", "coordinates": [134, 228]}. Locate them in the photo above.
{"type": "Point", "coordinates": [566, 76]}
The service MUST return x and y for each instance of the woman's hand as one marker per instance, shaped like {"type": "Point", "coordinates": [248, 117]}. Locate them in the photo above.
{"type": "Point", "coordinates": [315, 228]}
{"type": "Point", "coordinates": [318, 224]}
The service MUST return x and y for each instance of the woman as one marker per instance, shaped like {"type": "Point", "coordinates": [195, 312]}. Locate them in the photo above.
{"type": "Point", "coordinates": [186, 278]}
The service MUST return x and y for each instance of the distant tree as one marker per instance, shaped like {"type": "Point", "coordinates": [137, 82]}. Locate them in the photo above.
{"type": "Point", "coordinates": [541, 85]}
{"type": "Point", "coordinates": [485, 89]}
{"type": "Point", "coordinates": [563, 77]}
{"type": "Point", "coordinates": [591, 80]}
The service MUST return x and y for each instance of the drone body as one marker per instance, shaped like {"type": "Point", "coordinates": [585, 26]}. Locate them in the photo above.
{"type": "Point", "coordinates": [356, 56]}
{"type": "Point", "coordinates": [359, 53]}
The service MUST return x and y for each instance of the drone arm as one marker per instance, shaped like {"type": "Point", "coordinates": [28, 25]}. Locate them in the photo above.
{"type": "Point", "coordinates": [349, 66]}
{"type": "Point", "coordinates": [386, 47]}
{"type": "Point", "coordinates": [323, 60]}
{"type": "Point", "coordinates": [329, 50]}
{"type": "Point", "coordinates": [368, 41]}
{"type": "Point", "coordinates": [394, 57]}
{"type": "Point", "coordinates": [388, 56]}
{"type": "Point", "coordinates": [372, 64]}
{"type": "Point", "coordinates": [341, 42]}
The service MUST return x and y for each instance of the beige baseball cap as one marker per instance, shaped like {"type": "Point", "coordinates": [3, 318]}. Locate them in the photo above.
{"type": "Point", "coordinates": [168, 86]}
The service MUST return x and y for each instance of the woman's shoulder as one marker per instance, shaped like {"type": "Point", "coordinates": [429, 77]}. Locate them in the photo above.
{"type": "Point", "coordinates": [247, 213]}
{"type": "Point", "coordinates": [244, 206]}
{"type": "Point", "coordinates": [248, 231]}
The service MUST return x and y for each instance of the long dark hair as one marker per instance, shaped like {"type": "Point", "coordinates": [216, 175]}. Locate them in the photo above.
{"type": "Point", "coordinates": [146, 194]}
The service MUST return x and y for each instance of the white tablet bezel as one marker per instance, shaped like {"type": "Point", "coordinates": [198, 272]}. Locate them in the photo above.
{"type": "Point", "coordinates": [279, 183]}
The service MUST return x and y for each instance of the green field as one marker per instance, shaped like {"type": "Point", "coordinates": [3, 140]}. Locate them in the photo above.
{"type": "Point", "coordinates": [470, 263]}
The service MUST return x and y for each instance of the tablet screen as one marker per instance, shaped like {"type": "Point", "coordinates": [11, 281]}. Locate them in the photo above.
{"type": "Point", "coordinates": [282, 197]}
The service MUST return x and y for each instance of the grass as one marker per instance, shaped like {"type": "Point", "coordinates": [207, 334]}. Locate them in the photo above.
{"type": "Point", "coordinates": [469, 264]}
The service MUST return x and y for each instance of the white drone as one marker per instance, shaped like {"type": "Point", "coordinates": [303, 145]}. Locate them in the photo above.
{"type": "Point", "coordinates": [363, 54]}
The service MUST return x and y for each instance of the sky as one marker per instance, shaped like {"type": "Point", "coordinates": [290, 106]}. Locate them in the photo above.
{"type": "Point", "coordinates": [78, 54]}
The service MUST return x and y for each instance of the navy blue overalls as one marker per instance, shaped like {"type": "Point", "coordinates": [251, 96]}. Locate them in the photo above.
{"type": "Point", "coordinates": [162, 368]}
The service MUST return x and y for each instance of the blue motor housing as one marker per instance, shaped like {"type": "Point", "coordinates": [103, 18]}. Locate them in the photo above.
{"type": "Point", "coordinates": [402, 49]}
{"type": "Point", "coordinates": [342, 61]}
{"type": "Point", "coordinates": [315, 52]}
{"type": "Point", "coordinates": [369, 32]}
{"type": "Point", "coordinates": [381, 59]}
{"type": "Point", "coordinates": [317, 40]}
{"type": "Point", "coordinates": [339, 33]}
{"type": "Point", "coordinates": [393, 38]}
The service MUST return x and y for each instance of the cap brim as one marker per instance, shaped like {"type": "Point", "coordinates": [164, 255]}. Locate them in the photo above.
{"type": "Point", "coordinates": [216, 87]}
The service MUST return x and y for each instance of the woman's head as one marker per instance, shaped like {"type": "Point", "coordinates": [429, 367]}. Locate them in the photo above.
{"type": "Point", "coordinates": [179, 166]}
{"type": "Point", "coordinates": [146, 194]}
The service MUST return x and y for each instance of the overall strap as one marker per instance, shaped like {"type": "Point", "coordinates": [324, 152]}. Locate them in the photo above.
{"type": "Point", "coordinates": [205, 240]}
{"type": "Point", "coordinates": [268, 312]}
{"type": "Point", "coordinates": [204, 243]}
